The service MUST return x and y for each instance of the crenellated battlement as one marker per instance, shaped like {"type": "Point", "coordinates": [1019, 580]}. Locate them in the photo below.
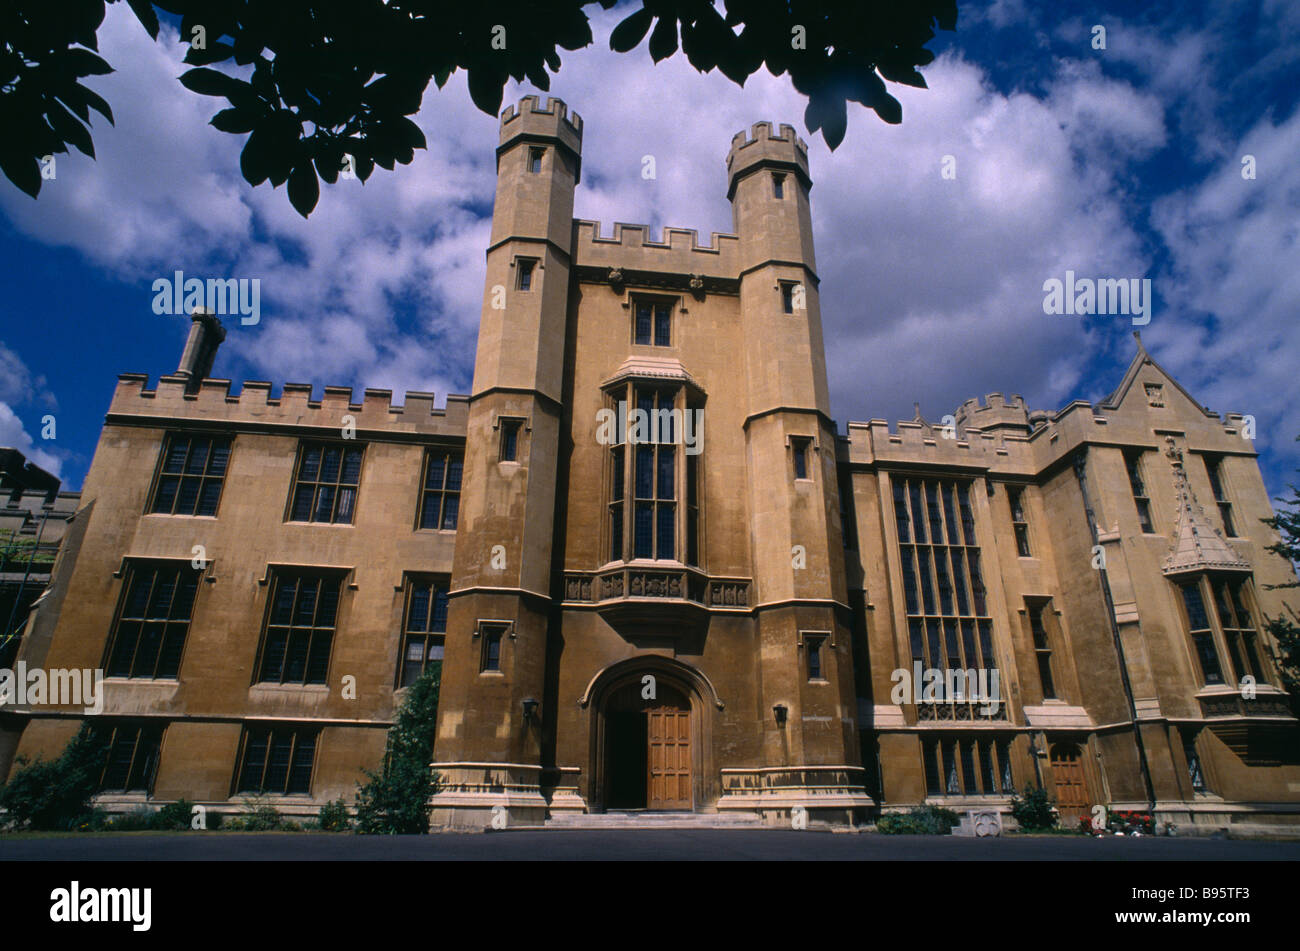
{"type": "Point", "coordinates": [761, 132]}
{"type": "Point", "coordinates": [761, 147]}
{"type": "Point", "coordinates": [530, 106]}
{"type": "Point", "coordinates": [678, 251]}
{"type": "Point", "coordinates": [255, 406]}
{"type": "Point", "coordinates": [995, 411]}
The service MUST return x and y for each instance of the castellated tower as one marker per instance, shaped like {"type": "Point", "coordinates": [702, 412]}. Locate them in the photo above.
{"type": "Point", "coordinates": [647, 620]}
{"type": "Point", "coordinates": [790, 442]}
{"type": "Point", "coordinates": [501, 578]}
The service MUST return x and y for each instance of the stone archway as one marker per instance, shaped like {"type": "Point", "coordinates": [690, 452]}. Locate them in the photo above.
{"type": "Point", "coordinates": [651, 741]}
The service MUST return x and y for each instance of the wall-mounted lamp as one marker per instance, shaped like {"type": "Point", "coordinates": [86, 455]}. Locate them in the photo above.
{"type": "Point", "coordinates": [530, 709]}
{"type": "Point", "coordinates": [780, 710]}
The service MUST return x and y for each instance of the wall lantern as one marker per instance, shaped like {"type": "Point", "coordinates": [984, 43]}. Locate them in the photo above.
{"type": "Point", "coordinates": [780, 710]}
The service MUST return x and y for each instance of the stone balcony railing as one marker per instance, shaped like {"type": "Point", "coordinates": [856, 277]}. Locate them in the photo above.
{"type": "Point", "coordinates": [637, 598]}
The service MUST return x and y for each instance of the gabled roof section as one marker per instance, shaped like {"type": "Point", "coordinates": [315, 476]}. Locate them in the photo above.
{"type": "Point", "coordinates": [1198, 545]}
{"type": "Point", "coordinates": [1141, 358]}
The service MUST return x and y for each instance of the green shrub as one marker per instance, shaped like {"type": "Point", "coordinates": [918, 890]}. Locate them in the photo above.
{"type": "Point", "coordinates": [55, 794]}
{"type": "Point", "coordinates": [922, 820]}
{"type": "Point", "coordinates": [215, 821]}
{"type": "Point", "coordinates": [1034, 812]}
{"type": "Point", "coordinates": [395, 800]}
{"type": "Point", "coordinates": [137, 820]}
{"type": "Point", "coordinates": [334, 816]}
{"type": "Point", "coordinates": [262, 818]}
{"type": "Point", "coordinates": [96, 820]}
{"type": "Point", "coordinates": [174, 816]}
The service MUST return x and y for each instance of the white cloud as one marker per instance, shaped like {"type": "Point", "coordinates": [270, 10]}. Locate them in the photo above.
{"type": "Point", "coordinates": [932, 289]}
{"type": "Point", "coordinates": [1234, 244]}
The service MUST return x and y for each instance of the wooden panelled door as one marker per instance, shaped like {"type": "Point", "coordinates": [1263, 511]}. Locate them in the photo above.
{"type": "Point", "coordinates": [1072, 799]}
{"type": "Point", "coordinates": [669, 774]}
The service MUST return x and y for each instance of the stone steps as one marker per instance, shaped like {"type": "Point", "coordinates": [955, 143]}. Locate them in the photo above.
{"type": "Point", "coordinates": [650, 820]}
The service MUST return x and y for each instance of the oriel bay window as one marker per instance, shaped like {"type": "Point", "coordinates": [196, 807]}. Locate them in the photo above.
{"type": "Point", "coordinates": [654, 472]}
{"type": "Point", "coordinates": [153, 619]}
{"type": "Point", "coordinates": [1221, 625]}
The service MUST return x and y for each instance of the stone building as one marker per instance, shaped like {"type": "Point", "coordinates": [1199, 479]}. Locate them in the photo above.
{"type": "Point", "coordinates": [657, 576]}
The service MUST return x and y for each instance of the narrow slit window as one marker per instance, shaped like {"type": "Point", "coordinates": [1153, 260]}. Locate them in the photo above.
{"type": "Point", "coordinates": [510, 440]}
{"type": "Point", "coordinates": [1019, 523]}
{"type": "Point", "coordinates": [535, 160]}
{"type": "Point", "coordinates": [800, 449]}
{"type": "Point", "coordinates": [778, 186]}
{"type": "Point", "coordinates": [1133, 462]}
{"type": "Point", "coordinates": [526, 274]}
{"type": "Point", "coordinates": [490, 659]}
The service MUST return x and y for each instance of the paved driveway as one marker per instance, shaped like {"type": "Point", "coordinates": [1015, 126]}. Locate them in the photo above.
{"type": "Point", "coordinates": [632, 844]}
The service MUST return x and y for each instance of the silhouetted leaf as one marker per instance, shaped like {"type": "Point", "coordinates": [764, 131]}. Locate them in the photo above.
{"type": "Point", "coordinates": [233, 121]}
{"type": "Point", "coordinates": [143, 10]}
{"type": "Point", "coordinates": [23, 170]}
{"type": "Point", "coordinates": [663, 41]}
{"type": "Point", "coordinates": [630, 32]}
{"type": "Point", "coordinates": [304, 190]}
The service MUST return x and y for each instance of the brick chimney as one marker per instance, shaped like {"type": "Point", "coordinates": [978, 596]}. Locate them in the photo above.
{"type": "Point", "coordinates": [206, 334]}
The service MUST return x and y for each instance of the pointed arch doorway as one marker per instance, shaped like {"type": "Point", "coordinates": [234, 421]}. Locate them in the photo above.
{"type": "Point", "coordinates": [648, 750]}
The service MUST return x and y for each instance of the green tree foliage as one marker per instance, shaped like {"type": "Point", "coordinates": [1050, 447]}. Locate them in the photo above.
{"type": "Point", "coordinates": [336, 78]}
{"type": "Point", "coordinates": [55, 794]}
{"type": "Point", "coordinates": [395, 800]}
{"type": "Point", "coordinates": [1285, 628]}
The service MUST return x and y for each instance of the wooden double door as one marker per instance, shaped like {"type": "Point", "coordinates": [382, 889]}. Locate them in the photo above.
{"type": "Point", "coordinates": [648, 753]}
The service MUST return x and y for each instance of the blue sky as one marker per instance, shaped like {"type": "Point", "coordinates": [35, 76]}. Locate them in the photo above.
{"type": "Point", "coordinates": [1123, 162]}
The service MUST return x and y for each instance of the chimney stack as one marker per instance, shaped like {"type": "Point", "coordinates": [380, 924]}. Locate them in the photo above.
{"type": "Point", "coordinates": [206, 334]}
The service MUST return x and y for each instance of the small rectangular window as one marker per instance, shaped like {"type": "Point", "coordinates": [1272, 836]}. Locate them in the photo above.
{"type": "Point", "coordinates": [535, 160]}
{"type": "Point", "coordinates": [490, 659]}
{"type": "Point", "coordinates": [299, 631]}
{"type": "Point", "coordinates": [1133, 462]}
{"type": "Point", "coordinates": [1042, 650]}
{"type": "Point", "coordinates": [1213, 467]}
{"type": "Point", "coordinates": [653, 323]}
{"type": "Point", "coordinates": [424, 630]}
{"type": "Point", "coordinates": [153, 620]}
{"type": "Point", "coordinates": [778, 186]}
{"type": "Point", "coordinates": [510, 440]}
{"type": "Point", "coordinates": [813, 645]}
{"type": "Point", "coordinates": [325, 489]}
{"type": "Point", "coordinates": [440, 498]}
{"type": "Point", "coordinates": [800, 448]}
{"type": "Point", "coordinates": [131, 759]}
{"type": "Point", "coordinates": [1019, 523]}
{"type": "Point", "coordinates": [193, 469]}
{"type": "Point", "coordinates": [787, 297]}
{"type": "Point", "coordinates": [525, 266]}
{"type": "Point", "coordinates": [277, 761]}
